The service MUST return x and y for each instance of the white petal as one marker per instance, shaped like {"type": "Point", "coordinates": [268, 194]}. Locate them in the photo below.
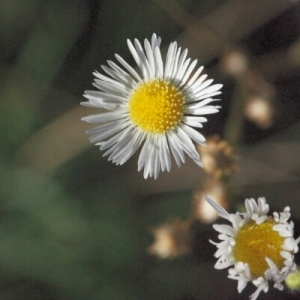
{"type": "Point", "coordinates": [128, 67]}
{"type": "Point", "coordinates": [226, 229]}
{"type": "Point", "coordinates": [219, 209]}
{"type": "Point", "coordinates": [105, 97]}
{"type": "Point", "coordinates": [202, 86]}
{"type": "Point", "coordinates": [187, 145]}
{"type": "Point", "coordinates": [149, 163]}
{"type": "Point", "coordinates": [117, 89]}
{"type": "Point", "coordinates": [203, 110]}
{"type": "Point", "coordinates": [150, 57]}
{"type": "Point", "coordinates": [110, 80]}
{"type": "Point", "coordinates": [122, 75]}
{"type": "Point", "coordinates": [178, 67]}
{"type": "Point", "coordinates": [206, 95]}
{"type": "Point", "coordinates": [197, 83]}
{"type": "Point", "coordinates": [194, 119]}
{"type": "Point", "coordinates": [156, 163]}
{"type": "Point", "coordinates": [191, 81]}
{"type": "Point", "coordinates": [90, 104]}
{"type": "Point", "coordinates": [117, 147]}
{"type": "Point", "coordinates": [116, 139]}
{"type": "Point", "coordinates": [143, 58]}
{"type": "Point", "coordinates": [144, 154]}
{"type": "Point", "coordinates": [164, 153]}
{"type": "Point", "coordinates": [209, 90]}
{"type": "Point", "coordinates": [101, 136]}
{"type": "Point", "coordinates": [93, 96]}
{"type": "Point", "coordinates": [105, 117]}
{"type": "Point", "coordinates": [155, 41]}
{"type": "Point", "coordinates": [254, 206]}
{"type": "Point", "coordinates": [287, 247]}
{"type": "Point", "coordinates": [192, 104]}
{"type": "Point", "coordinates": [176, 150]}
{"type": "Point", "coordinates": [188, 72]}
{"type": "Point", "coordinates": [193, 124]}
{"type": "Point", "coordinates": [175, 63]}
{"type": "Point", "coordinates": [140, 57]}
{"type": "Point", "coordinates": [286, 255]}
{"type": "Point", "coordinates": [261, 219]}
{"type": "Point", "coordinates": [282, 230]}
{"type": "Point", "coordinates": [193, 134]}
{"type": "Point", "coordinates": [158, 63]}
{"type": "Point", "coordinates": [222, 264]}
{"type": "Point", "coordinates": [263, 207]}
{"type": "Point", "coordinates": [116, 75]}
{"type": "Point", "coordinates": [169, 59]}
{"type": "Point", "coordinates": [249, 206]}
{"type": "Point", "coordinates": [257, 292]}
{"type": "Point", "coordinates": [221, 251]}
{"type": "Point", "coordinates": [126, 152]}
{"type": "Point", "coordinates": [241, 285]}
{"type": "Point", "coordinates": [182, 70]}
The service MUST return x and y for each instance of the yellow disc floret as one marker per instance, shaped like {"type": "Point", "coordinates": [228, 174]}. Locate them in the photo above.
{"type": "Point", "coordinates": [156, 106]}
{"type": "Point", "coordinates": [255, 242]}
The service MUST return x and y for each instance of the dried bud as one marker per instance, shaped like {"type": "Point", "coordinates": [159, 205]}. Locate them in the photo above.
{"type": "Point", "coordinates": [171, 240]}
{"type": "Point", "coordinates": [259, 105]}
{"type": "Point", "coordinates": [217, 157]}
{"type": "Point", "coordinates": [234, 63]}
{"type": "Point", "coordinates": [260, 111]}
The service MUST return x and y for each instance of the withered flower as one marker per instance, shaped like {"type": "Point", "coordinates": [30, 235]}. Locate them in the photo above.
{"type": "Point", "coordinates": [218, 157]}
{"type": "Point", "coordinates": [171, 240]}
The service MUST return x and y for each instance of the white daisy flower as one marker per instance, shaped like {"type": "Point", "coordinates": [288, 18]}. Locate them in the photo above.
{"type": "Point", "coordinates": [155, 108]}
{"type": "Point", "coordinates": [259, 247]}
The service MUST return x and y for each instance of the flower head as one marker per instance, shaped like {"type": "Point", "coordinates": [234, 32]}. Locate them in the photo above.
{"type": "Point", "coordinates": [260, 247]}
{"type": "Point", "coordinates": [155, 108]}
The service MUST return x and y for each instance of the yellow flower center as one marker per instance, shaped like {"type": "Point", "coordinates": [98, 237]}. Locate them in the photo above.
{"type": "Point", "coordinates": [255, 242]}
{"type": "Point", "coordinates": [156, 106]}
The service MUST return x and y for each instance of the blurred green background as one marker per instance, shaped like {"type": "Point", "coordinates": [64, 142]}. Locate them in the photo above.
{"type": "Point", "coordinates": [74, 226]}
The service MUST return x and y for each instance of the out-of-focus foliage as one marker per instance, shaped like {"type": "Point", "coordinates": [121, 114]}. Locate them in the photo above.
{"type": "Point", "coordinates": [53, 240]}
{"type": "Point", "coordinates": [65, 237]}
